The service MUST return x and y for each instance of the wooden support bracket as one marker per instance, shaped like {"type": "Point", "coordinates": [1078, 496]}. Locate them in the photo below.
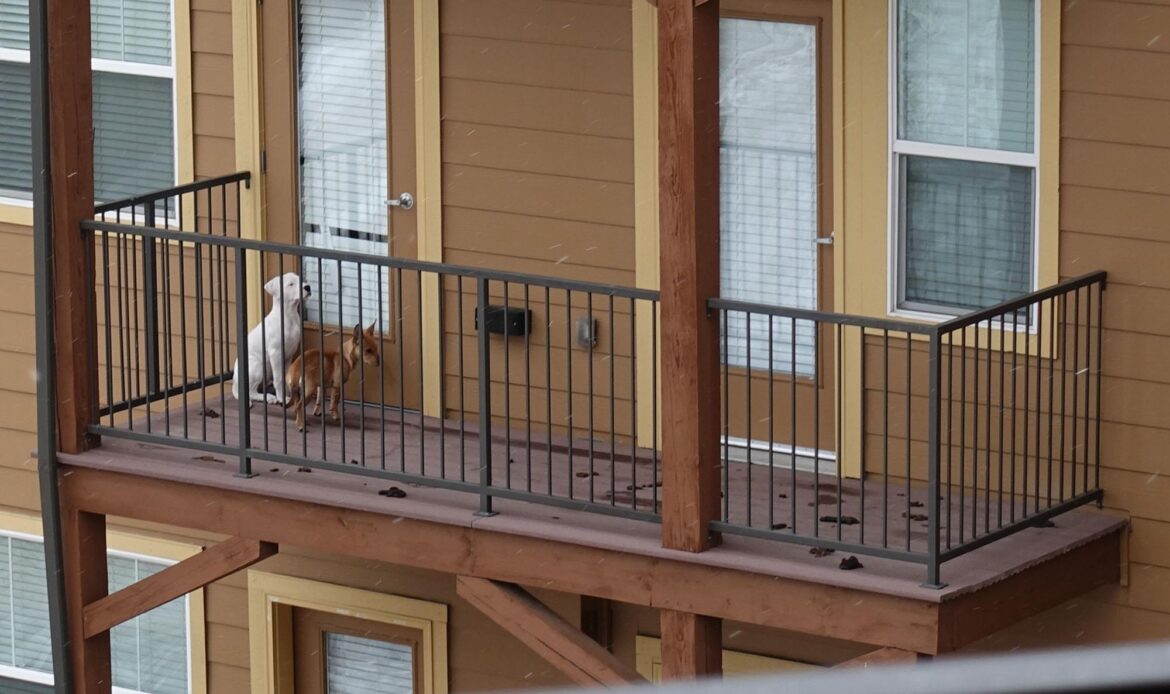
{"type": "Point", "coordinates": [172, 582]}
{"type": "Point", "coordinates": [565, 647]}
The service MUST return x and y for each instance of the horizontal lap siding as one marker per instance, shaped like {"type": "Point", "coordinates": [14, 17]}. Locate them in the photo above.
{"type": "Point", "coordinates": [537, 138]}
{"type": "Point", "coordinates": [538, 170]}
{"type": "Point", "coordinates": [1115, 216]}
{"type": "Point", "coordinates": [211, 67]}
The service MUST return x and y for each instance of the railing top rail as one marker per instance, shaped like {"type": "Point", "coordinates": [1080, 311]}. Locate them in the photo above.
{"type": "Point", "coordinates": [822, 316]}
{"type": "Point", "coordinates": [1057, 289]}
{"type": "Point", "coordinates": [239, 176]}
{"type": "Point", "coordinates": [380, 261]}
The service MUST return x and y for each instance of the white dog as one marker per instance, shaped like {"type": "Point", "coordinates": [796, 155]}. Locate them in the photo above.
{"type": "Point", "coordinates": [281, 328]}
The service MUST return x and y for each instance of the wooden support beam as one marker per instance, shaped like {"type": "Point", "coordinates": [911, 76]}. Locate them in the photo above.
{"type": "Point", "coordinates": [640, 574]}
{"type": "Point", "coordinates": [566, 648]}
{"type": "Point", "coordinates": [174, 581]}
{"type": "Point", "coordinates": [83, 544]}
{"type": "Point", "coordinates": [71, 194]}
{"type": "Point", "coordinates": [881, 656]}
{"type": "Point", "coordinates": [692, 645]}
{"type": "Point", "coordinates": [688, 159]}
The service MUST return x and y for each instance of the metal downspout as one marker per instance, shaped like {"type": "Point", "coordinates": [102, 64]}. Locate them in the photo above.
{"type": "Point", "coordinates": [46, 377]}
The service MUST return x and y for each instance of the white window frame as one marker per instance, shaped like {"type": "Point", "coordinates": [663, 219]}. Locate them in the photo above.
{"type": "Point", "coordinates": [46, 678]}
{"type": "Point", "coordinates": [13, 55]}
{"type": "Point", "coordinates": [898, 148]}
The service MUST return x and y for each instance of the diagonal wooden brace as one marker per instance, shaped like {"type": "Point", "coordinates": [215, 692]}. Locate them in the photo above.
{"type": "Point", "coordinates": [565, 647]}
{"type": "Point", "coordinates": [172, 582]}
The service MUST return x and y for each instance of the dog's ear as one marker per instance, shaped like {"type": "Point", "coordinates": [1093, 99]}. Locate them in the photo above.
{"type": "Point", "coordinates": [370, 330]}
{"type": "Point", "coordinates": [273, 287]}
{"type": "Point", "coordinates": [357, 333]}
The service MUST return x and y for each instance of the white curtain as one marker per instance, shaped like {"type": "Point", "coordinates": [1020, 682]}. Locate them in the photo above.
{"type": "Point", "coordinates": [341, 109]}
{"type": "Point", "coordinates": [768, 185]}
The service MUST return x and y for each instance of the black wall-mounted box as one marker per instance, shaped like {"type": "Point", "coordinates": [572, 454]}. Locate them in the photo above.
{"type": "Point", "coordinates": [502, 320]}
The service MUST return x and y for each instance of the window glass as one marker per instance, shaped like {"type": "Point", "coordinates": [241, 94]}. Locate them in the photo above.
{"type": "Point", "coordinates": [341, 121]}
{"type": "Point", "coordinates": [966, 70]}
{"type": "Point", "coordinates": [768, 185]}
{"type": "Point", "coordinates": [968, 232]}
{"type": "Point", "coordinates": [356, 665]}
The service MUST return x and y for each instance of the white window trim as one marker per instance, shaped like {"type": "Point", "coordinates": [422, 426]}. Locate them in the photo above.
{"type": "Point", "coordinates": [13, 55]}
{"type": "Point", "coordinates": [37, 677]}
{"type": "Point", "coordinates": [898, 147]}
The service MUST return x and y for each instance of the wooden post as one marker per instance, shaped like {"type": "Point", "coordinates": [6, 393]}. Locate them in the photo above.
{"type": "Point", "coordinates": [71, 195]}
{"type": "Point", "coordinates": [83, 540]}
{"type": "Point", "coordinates": [688, 160]}
{"type": "Point", "coordinates": [692, 646]}
{"type": "Point", "coordinates": [688, 95]}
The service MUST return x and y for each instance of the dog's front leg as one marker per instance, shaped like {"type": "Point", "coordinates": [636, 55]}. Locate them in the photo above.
{"type": "Point", "coordinates": [276, 364]}
{"type": "Point", "coordinates": [334, 404]}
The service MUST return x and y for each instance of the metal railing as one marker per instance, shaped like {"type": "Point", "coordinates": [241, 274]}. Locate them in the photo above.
{"type": "Point", "coordinates": [499, 384]}
{"type": "Point", "coordinates": [969, 430]}
{"type": "Point", "coordinates": [513, 386]}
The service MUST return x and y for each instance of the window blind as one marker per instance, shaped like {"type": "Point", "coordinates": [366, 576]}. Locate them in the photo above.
{"type": "Point", "coordinates": [355, 665]}
{"type": "Point", "coordinates": [768, 184]}
{"type": "Point", "coordinates": [14, 24]}
{"type": "Point", "coordinates": [134, 127]}
{"type": "Point", "coordinates": [341, 107]}
{"type": "Point", "coordinates": [134, 120]}
{"type": "Point", "coordinates": [149, 653]}
{"type": "Point", "coordinates": [133, 31]}
{"type": "Point", "coordinates": [966, 72]}
{"type": "Point", "coordinates": [15, 130]}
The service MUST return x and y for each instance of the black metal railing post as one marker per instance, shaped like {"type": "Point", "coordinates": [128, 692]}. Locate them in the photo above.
{"type": "Point", "coordinates": [150, 301]}
{"type": "Point", "coordinates": [483, 353]}
{"type": "Point", "coordinates": [933, 561]}
{"type": "Point", "coordinates": [243, 388]}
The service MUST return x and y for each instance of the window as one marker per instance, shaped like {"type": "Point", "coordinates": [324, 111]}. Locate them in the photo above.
{"type": "Point", "coordinates": [965, 159]}
{"type": "Point", "coordinates": [134, 98]}
{"type": "Point", "coordinates": [151, 653]}
{"type": "Point", "coordinates": [768, 186]}
{"type": "Point", "coordinates": [341, 121]}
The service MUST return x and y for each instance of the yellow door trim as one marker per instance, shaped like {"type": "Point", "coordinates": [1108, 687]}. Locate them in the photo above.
{"type": "Point", "coordinates": [428, 136]}
{"type": "Point", "coordinates": [271, 597]}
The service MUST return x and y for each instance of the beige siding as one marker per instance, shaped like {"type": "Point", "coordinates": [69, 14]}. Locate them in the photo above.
{"type": "Point", "coordinates": [1115, 215]}
{"type": "Point", "coordinates": [538, 136]}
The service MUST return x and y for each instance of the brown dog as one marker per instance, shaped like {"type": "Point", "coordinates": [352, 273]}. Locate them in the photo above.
{"type": "Point", "coordinates": [304, 375]}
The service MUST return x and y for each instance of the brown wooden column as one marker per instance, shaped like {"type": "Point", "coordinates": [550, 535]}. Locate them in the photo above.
{"type": "Point", "coordinates": [692, 645]}
{"type": "Point", "coordinates": [688, 159]}
{"type": "Point", "coordinates": [71, 191]}
{"type": "Point", "coordinates": [83, 540]}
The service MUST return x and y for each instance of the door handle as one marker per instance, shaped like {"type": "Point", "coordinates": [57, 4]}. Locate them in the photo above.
{"type": "Point", "coordinates": [825, 240]}
{"type": "Point", "coordinates": [405, 201]}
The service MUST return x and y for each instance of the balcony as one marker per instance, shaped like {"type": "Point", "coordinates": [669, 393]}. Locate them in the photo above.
{"type": "Point", "coordinates": [528, 404]}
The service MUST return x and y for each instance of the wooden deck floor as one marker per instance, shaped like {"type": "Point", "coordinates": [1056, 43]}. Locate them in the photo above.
{"type": "Point", "coordinates": [780, 499]}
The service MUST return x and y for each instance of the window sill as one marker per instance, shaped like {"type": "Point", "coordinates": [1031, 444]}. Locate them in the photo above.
{"type": "Point", "coordinates": [16, 212]}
